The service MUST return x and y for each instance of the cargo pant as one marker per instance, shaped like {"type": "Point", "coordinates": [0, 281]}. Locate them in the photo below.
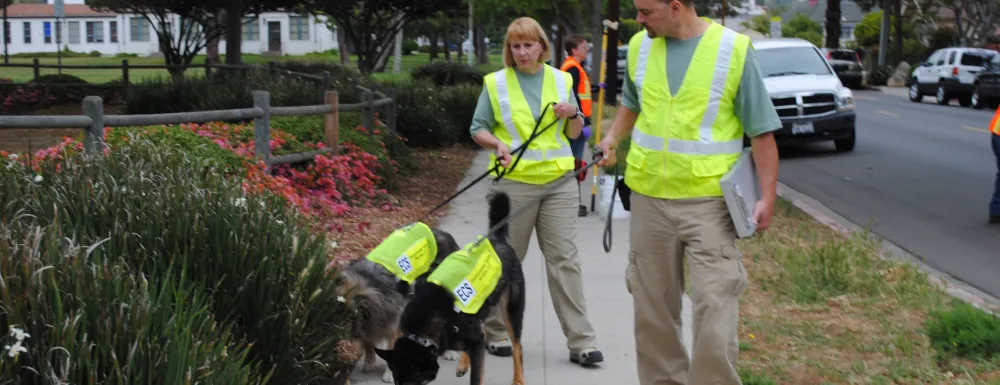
{"type": "Point", "coordinates": [553, 218]}
{"type": "Point", "coordinates": [995, 201]}
{"type": "Point", "coordinates": [663, 232]}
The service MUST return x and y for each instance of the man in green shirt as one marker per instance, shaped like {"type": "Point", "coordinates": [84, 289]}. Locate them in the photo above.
{"type": "Point", "coordinates": [687, 217]}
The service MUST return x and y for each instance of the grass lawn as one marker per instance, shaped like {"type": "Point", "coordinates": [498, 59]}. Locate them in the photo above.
{"type": "Point", "coordinates": [825, 308]}
{"type": "Point", "coordinates": [135, 75]}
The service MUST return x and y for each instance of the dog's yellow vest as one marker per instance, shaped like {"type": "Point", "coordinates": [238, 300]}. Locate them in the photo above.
{"type": "Point", "coordinates": [470, 274]}
{"type": "Point", "coordinates": [408, 252]}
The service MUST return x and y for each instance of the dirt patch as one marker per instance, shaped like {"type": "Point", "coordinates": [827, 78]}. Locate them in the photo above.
{"type": "Point", "coordinates": [438, 175]}
{"type": "Point", "coordinates": [22, 140]}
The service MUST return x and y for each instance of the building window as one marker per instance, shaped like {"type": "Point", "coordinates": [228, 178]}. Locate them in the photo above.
{"type": "Point", "coordinates": [47, 32]}
{"type": "Point", "coordinates": [251, 29]}
{"type": "Point", "coordinates": [138, 28]}
{"type": "Point", "coordinates": [114, 31]}
{"type": "Point", "coordinates": [298, 28]}
{"type": "Point", "coordinates": [95, 31]}
{"type": "Point", "coordinates": [74, 32]}
{"type": "Point", "coordinates": [27, 32]}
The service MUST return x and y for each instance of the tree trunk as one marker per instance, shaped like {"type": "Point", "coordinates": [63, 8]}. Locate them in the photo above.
{"type": "Point", "coordinates": [447, 48]}
{"type": "Point", "coordinates": [344, 47]}
{"type": "Point", "coordinates": [212, 48]}
{"type": "Point", "coordinates": [481, 49]}
{"type": "Point", "coordinates": [234, 32]}
{"type": "Point", "coordinates": [897, 11]}
{"type": "Point", "coordinates": [833, 24]}
{"type": "Point", "coordinates": [611, 72]}
{"type": "Point", "coordinates": [434, 37]}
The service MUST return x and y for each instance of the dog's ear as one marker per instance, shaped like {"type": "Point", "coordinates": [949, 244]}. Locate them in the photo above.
{"type": "Point", "coordinates": [384, 354]}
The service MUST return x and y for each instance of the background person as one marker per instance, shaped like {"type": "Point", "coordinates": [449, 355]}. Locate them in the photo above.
{"type": "Point", "coordinates": [577, 48]}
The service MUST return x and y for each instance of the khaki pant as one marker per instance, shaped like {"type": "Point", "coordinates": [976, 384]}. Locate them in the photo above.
{"type": "Point", "coordinates": [553, 216]}
{"type": "Point", "coordinates": [662, 233]}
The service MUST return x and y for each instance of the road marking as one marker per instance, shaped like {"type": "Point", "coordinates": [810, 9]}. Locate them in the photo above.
{"type": "Point", "coordinates": [977, 129]}
{"type": "Point", "coordinates": [884, 112]}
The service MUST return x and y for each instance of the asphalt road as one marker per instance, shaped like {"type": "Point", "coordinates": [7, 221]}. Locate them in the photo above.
{"type": "Point", "coordinates": [920, 176]}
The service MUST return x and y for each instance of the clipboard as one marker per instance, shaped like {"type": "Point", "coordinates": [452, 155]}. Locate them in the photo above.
{"type": "Point", "coordinates": [741, 190]}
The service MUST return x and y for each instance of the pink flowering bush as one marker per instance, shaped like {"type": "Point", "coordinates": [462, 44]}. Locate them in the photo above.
{"type": "Point", "coordinates": [327, 187]}
{"type": "Point", "coordinates": [25, 98]}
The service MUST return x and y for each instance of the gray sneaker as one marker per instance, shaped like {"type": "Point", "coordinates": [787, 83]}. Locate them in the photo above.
{"type": "Point", "coordinates": [587, 357]}
{"type": "Point", "coordinates": [500, 348]}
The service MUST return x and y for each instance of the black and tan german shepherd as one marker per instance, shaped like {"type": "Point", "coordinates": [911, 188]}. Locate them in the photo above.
{"type": "Point", "coordinates": [430, 324]}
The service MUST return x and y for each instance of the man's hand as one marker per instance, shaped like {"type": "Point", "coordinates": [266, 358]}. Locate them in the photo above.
{"type": "Point", "coordinates": [503, 153]}
{"type": "Point", "coordinates": [762, 212]}
{"type": "Point", "coordinates": [608, 155]}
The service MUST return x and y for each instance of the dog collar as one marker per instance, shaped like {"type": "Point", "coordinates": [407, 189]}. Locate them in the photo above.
{"type": "Point", "coordinates": [427, 343]}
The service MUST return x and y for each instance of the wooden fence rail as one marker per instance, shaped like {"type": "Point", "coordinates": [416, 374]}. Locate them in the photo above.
{"type": "Point", "coordinates": [93, 121]}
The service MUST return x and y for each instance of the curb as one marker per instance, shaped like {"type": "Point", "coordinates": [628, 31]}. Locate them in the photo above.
{"type": "Point", "coordinates": [947, 283]}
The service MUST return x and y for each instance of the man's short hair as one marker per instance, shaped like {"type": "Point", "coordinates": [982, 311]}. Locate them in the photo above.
{"type": "Point", "coordinates": [573, 41]}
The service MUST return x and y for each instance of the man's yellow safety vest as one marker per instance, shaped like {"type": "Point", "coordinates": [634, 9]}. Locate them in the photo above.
{"type": "Point", "coordinates": [683, 144]}
{"type": "Point", "coordinates": [995, 124]}
{"type": "Point", "coordinates": [549, 156]}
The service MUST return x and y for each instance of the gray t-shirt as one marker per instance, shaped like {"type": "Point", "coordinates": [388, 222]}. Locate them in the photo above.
{"type": "Point", "coordinates": [752, 105]}
{"type": "Point", "coordinates": [531, 87]}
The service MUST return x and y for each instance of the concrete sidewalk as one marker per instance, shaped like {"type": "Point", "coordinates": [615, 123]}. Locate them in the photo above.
{"type": "Point", "coordinates": [546, 358]}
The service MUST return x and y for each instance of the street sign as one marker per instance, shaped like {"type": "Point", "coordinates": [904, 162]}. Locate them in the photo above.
{"type": "Point", "coordinates": [60, 10]}
{"type": "Point", "coordinates": [776, 26]}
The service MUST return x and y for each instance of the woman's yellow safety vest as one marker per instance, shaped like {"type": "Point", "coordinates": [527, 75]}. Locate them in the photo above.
{"type": "Point", "coordinates": [683, 144]}
{"type": "Point", "coordinates": [549, 156]}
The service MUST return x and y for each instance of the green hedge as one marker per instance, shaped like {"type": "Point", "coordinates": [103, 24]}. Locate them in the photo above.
{"type": "Point", "coordinates": [148, 266]}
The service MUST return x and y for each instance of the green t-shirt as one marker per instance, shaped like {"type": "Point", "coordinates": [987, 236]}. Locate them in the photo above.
{"type": "Point", "coordinates": [531, 87]}
{"type": "Point", "coordinates": [752, 105]}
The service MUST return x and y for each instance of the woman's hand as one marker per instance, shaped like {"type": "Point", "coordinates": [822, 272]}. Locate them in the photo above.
{"type": "Point", "coordinates": [564, 110]}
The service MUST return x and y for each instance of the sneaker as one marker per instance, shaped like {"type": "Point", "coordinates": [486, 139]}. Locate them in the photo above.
{"type": "Point", "coordinates": [587, 357]}
{"type": "Point", "coordinates": [583, 211]}
{"type": "Point", "coordinates": [500, 348]}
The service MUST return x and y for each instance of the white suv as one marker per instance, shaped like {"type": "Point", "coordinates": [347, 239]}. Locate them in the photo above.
{"type": "Point", "coordinates": [810, 99]}
{"type": "Point", "coordinates": [949, 73]}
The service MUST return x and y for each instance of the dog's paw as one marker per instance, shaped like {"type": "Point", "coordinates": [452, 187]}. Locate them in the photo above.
{"type": "Point", "coordinates": [387, 376]}
{"type": "Point", "coordinates": [451, 355]}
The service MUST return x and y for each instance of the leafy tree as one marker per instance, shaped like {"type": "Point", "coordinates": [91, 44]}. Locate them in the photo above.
{"type": "Point", "coordinates": [196, 20]}
{"type": "Point", "coordinates": [372, 25]}
{"type": "Point", "coordinates": [759, 23]}
{"type": "Point", "coordinates": [802, 27]}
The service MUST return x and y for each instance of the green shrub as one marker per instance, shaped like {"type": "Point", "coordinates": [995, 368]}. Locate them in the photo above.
{"type": "Point", "coordinates": [187, 141]}
{"type": "Point", "coordinates": [446, 73]}
{"type": "Point", "coordinates": [965, 331]}
{"type": "Point", "coordinates": [410, 46]}
{"type": "Point", "coordinates": [179, 225]}
{"type": "Point", "coordinates": [429, 116]}
{"type": "Point", "coordinates": [231, 91]}
{"type": "Point", "coordinates": [60, 79]}
{"type": "Point", "coordinates": [84, 310]}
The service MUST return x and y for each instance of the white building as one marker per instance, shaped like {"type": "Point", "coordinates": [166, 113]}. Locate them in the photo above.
{"type": "Point", "coordinates": [32, 28]}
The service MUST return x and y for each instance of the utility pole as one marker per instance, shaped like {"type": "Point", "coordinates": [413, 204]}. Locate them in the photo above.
{"type": "Point", "coordinates": [468, 59]}
{"type": "Point", "coordinates": [6, 33]}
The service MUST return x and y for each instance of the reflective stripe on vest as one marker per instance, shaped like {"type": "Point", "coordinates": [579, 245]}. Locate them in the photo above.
{"type": "Point", "coordinates": [583, 89]}
{"type": "Point", "coordinates": [995, 124]}
{"type": "Point", "coordinates": [682, 144]}
{"type": "Point", "coordinates": [549, 156]}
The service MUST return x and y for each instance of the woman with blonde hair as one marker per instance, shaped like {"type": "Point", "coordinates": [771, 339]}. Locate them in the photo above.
{"type": "Point", "coordinates": [523, 98]}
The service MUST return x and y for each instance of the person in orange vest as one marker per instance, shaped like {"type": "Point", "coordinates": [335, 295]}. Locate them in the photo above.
{"type": "Point", "coordinates": [995, 202]}
{"type": "Point", "coordinates": [577, 48]}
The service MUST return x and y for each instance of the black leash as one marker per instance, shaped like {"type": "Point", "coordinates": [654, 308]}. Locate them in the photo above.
{"type": "Point", "coordinates": [496, 164]}
{"type": "Point", "coordinates": [607, 226]}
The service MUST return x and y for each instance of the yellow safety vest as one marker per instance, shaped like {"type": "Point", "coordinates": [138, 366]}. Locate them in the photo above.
{"type": "Point", "coordinates": [549, 156]}
{"type": "Point", "coordinates": [683, 144]}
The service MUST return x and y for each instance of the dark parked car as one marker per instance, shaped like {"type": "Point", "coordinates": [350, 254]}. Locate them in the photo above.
{"type": "Point", "coordinates": [847, 64]}
{"type": "Point", "coordinates": [986, 88]}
